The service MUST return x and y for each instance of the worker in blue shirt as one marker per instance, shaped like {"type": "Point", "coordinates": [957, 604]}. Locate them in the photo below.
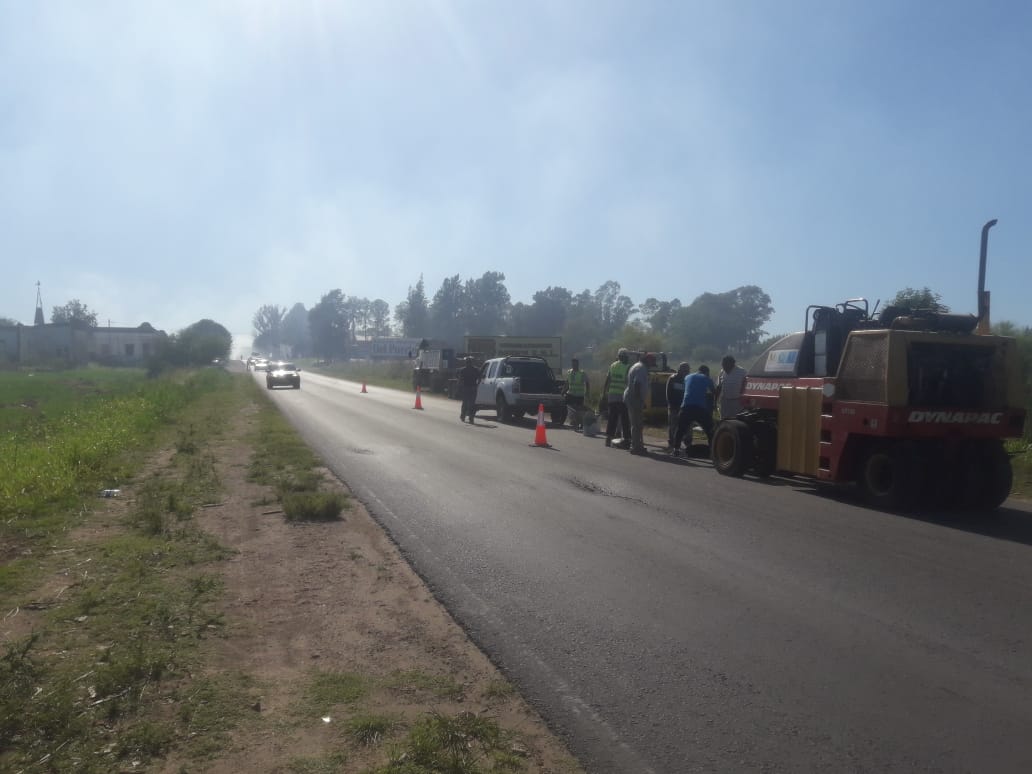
{"type": "Point", "coordinates": [696, 407]}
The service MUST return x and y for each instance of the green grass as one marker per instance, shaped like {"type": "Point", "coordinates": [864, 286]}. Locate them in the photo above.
{"type": "Point", "coordinates": [499, 689]}
{"type": "Point", "coordinates": [283, 461]}
{"type": "Point", "coordinates": [1021, 463]}
{"type": "Point", "coordinates": [28, 396]}
{"type": "Point", "coordinates": [333, 763]}
{"type": "Point", "coordinates": [325, 690]}
{"type": "Point", "coordinates": [56, 463]}
{"type": "Point", "coordinates": [370, 729]}
{"type": "Point", "coordinates": [438, 686]}
{"type": "Point", "coordinates": [466, 743]}
{"type": "Point", "coordinates": [110, 673]}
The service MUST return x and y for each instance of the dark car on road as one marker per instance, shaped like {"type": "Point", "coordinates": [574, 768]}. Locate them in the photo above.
{"type": "Point", "coordinates": [283, 375]}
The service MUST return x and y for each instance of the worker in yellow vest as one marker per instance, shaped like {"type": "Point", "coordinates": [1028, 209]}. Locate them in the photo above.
{"type": "Point", "coordinates": [576, 390]}
{"type": "Point", "coordinates": [616, 382]}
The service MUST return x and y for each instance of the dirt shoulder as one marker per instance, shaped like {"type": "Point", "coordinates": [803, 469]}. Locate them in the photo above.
{"type": "Point", "coordinates": [312, 605]}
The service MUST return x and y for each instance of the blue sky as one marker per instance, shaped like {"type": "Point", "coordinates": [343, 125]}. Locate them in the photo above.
{"type": "Point", "coordinates": [172, 161]}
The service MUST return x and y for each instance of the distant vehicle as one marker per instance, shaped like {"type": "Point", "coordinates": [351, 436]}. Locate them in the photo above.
{"type": "Point", "coordinates": [260, 364]}
{"type": "Point", "coordinates": [283, 374]}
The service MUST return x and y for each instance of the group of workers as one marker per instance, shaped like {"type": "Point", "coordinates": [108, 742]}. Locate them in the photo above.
{"type": "Point", "coordinates": [690, 398]}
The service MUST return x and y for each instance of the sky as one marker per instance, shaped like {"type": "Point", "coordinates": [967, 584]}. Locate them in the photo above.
{"type": "Point", "coordinates": [173, 161]}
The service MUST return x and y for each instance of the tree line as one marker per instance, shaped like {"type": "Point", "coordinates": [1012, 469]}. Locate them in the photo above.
{"type": "Point", "coordinates": [589, 321]}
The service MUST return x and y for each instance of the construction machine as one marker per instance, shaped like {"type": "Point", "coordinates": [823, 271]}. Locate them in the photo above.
{"type": "Point", "coordinates": [913, 406]}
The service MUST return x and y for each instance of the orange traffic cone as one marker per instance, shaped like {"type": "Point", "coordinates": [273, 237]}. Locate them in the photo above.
{"type": "Point", "coordinates": [419, 401]}
{"type": "Point", "coordinates": [363, 387]}
{"type": "Point", "coordinates": [539, 433]}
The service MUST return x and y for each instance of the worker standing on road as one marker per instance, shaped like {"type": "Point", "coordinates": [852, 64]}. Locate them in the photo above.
{"type": "Point", "coordinates": [674, 397]}
{"type": "Point", "coordinates": [469, 377]}
{"type": "Point", "coordinates": [635, 395]}
{"type": "Point", "coordinates": [577, 387]}
{"type": "Point", "coordinates": [730, 386]}
{"type": "Point", "coordinates": [696, 407]}
{"type": "Point", "coordinates": [616, 381]}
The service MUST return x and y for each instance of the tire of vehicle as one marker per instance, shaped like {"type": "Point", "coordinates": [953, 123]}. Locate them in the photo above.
{"type": "Point", "coordinates": [765, 449]}
{"type": "Point", "coordinates": [558, 416]}
{"type": "Point", "coordinates": [502, 410]}
{"type": "Point", "coordinates": [732, 448]}
{"type": "Point", "coordinates": [992, 476]}
{"type": "Point", "coordinates": [891, 479]}
{"type": "Point", "coordinates": [297, 385]}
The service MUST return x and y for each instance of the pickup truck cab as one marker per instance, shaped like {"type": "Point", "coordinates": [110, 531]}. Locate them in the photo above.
{"type": "Point", "coordinates": [516, 385]}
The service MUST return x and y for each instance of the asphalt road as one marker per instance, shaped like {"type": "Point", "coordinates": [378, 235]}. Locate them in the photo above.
{"type": "Point", "coordinates": [663, 618]}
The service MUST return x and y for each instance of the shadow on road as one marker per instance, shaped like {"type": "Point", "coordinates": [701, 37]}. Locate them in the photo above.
{"type": "Point", "coordinates": [1009, 522]}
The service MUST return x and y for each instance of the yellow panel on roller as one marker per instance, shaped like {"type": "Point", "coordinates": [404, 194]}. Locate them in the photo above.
{"type": "Point", "coordinates": [799, 429]}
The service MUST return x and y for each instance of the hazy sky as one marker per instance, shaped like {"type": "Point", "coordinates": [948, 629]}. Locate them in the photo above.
{"type": "Point", "coordinates": [173, 161]}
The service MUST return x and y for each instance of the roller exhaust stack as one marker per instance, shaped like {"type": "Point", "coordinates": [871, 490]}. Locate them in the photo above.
{"type": "Point", "coordinates": [983, 301]}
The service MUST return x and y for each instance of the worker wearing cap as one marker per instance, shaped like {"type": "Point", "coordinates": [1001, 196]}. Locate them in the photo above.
{"type": "Point", "coordinates": [674, 397]}
{"type": "Point", "coordinates": [635, 395]}
{"type": "Point", "coordinates": [613, 389]}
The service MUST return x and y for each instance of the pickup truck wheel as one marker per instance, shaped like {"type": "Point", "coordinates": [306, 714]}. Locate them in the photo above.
{"type": "Point", "coordinates": [502, 410]}
{"type": "Point", "coordinates": [732, 448]}
{"type": "Point", "coordinates": [558, 416]}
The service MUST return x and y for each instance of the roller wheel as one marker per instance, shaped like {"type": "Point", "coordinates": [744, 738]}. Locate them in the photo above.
{"type": "Point", "coordinates": [765, 453]}
{"type": "Point", "coordinates": [988, 476]}
{"type": "Point", "coordinates": [891, 479]}
{"type": "Point", "coordinates": [732, 448]}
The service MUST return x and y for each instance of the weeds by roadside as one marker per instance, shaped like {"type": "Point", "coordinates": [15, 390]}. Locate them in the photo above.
{"type": "Point", "coordinates": [113, 668]}
{"type": "Point", "coordinates": [283, 461]}
{"type": "Point", "coordinates": [82, 690]}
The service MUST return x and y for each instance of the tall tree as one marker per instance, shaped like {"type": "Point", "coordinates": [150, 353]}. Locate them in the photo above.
{"type": "Point", "coordinates": [268, 327]}
{"type": "Point", "coordinates": [7, 321]}
{"type": "Point", "coordinates": [613, 308]}
{"type": "Point", "coordinates": [204, 341]}
{"type": "Point", "coordinates": [487, 303]}
{"type": "Point", "coordinates": [548, 312]}
{"type": "Point", "coordinates": [380, 316]}
{"type": "Point", "coordinates": [74, 312]}
{"type": "Point", "coordinates": [448, 311]}
{"type": "Point", "coordinates": [329, 325]}
{"type": "Point", "coordinates": [353, 312]}
{"type": "Point", "coordinates": [658, 314]}
{"type": "Point", "coordinates": [295, 330]}
{"type": "Point", "coordinates": [724, 322]}
{"type": "Point", "coordinates": [911, 299]}
{"type": "Point", "coordinates": [582, 333]}
{"type": "Point", "coordinates": [360, 310]}
{"type": "Point", "coordinates": [412, 314]}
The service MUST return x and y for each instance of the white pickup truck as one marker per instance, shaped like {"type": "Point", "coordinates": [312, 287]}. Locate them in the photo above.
{"type": "Point", "coordinates": [516, 385]}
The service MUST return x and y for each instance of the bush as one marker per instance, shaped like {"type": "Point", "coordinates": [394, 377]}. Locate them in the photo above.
{"type": "Point", "coordinates": [313, 506]}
